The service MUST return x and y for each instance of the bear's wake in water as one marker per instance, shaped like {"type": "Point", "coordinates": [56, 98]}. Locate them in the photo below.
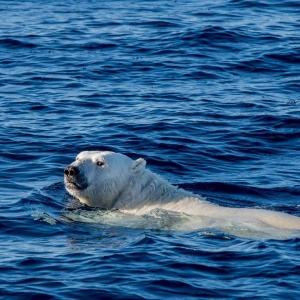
{"type": "Point", "coordinates": [113, 181]}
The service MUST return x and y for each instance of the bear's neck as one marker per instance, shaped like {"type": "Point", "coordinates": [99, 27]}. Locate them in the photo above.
{"type": "Point", "coordinates": [147, 190]}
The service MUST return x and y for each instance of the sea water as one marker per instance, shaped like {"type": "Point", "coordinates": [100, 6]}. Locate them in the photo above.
{"type": "Point", "coordinates": [206, 91]}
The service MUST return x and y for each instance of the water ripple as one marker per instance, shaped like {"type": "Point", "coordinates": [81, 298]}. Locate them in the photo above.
{"type": "Point", "coordinates": [206, 92]}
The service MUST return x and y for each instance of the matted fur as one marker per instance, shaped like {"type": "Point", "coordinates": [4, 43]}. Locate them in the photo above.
{"type": "Point", "coordinates": [114, 181]}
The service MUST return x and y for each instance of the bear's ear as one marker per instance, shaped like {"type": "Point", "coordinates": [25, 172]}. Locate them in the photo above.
{"type": "Point", "coordinates": [138, 164]}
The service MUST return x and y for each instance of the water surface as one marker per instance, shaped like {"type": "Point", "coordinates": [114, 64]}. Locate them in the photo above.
{"type": "Point", "coordinates": [206, 91]}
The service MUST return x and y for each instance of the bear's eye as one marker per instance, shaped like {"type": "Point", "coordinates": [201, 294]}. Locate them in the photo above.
{"type": "Point", "coordinates": [100, 163]}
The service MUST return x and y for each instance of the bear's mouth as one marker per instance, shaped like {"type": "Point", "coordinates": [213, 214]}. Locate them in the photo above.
{"type": "Point", "coordinates": [75, 185]}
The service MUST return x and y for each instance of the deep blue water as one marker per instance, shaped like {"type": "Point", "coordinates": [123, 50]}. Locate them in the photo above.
{"type": "Point", "coordinates": [206, 91]}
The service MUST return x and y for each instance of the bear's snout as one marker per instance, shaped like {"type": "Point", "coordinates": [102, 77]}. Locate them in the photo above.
{"type": "Point", "coordinates": [71, 171]}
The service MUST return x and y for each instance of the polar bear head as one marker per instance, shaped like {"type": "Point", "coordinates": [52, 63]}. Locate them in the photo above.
{"type": "Point", "coordinates": [98, 178]}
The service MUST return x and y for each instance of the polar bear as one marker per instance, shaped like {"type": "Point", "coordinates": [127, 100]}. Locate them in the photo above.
{"type": "Point", "coordinates": [114, 181]}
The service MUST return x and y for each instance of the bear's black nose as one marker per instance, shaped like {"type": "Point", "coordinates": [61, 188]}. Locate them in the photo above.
{"type": "Point", "coordinates": [71, 171]}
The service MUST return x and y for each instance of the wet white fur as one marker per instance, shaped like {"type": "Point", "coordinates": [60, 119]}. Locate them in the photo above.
{"type": "Point", "coordinates": [124, 184]}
